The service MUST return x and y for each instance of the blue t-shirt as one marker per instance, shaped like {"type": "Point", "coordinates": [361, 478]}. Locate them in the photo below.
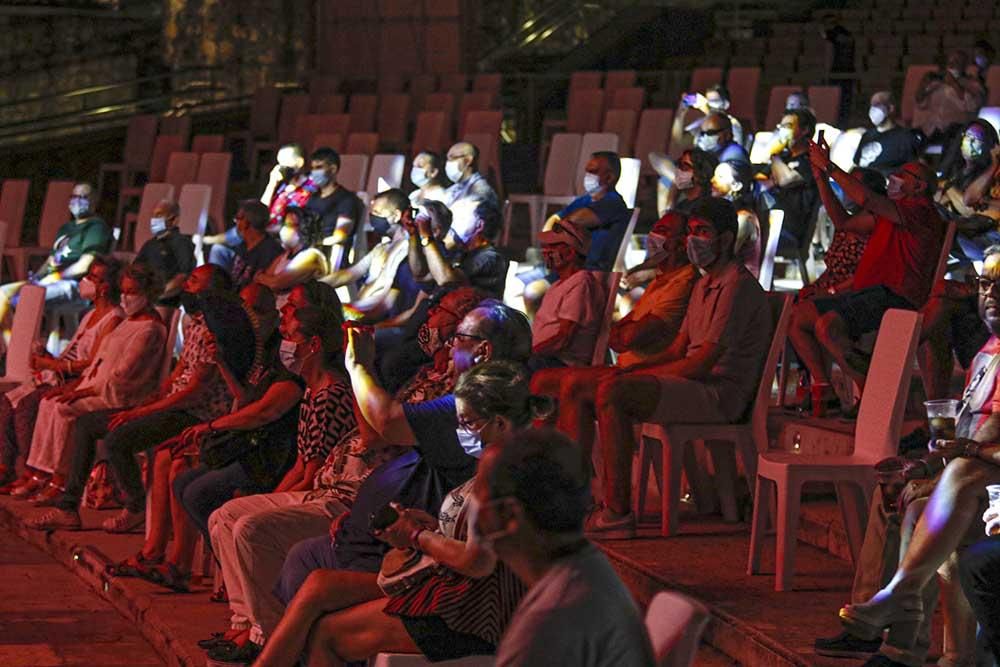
{"type": "Point", "coordinates": [606, 238]}
{"type": "Point", "coordinates": [734, 154]}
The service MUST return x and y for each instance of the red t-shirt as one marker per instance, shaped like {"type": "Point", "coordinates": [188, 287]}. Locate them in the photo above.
{"type": "Point", "coordinates": [904, 257]}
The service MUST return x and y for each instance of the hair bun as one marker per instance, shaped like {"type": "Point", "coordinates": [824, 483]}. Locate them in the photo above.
{"type": "Point", "coordinates": [541, 407]}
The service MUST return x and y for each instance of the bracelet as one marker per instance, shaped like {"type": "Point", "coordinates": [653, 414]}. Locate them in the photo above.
{"type": "Point", "coordinates": [971, 450]}
{"type": "Point", "coordinates": [415, 537]}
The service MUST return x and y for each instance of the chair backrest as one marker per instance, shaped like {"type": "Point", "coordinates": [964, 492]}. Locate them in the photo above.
{"type": "Point", "coordinates": [880, 414]}
{"type": "Point", "coordinates": [194, 201]}
{"type": "Point", "coordinates": [293, 105]}
{"type": "Point", "coordinates": [491, 82]}
{"type": "Point", "coordinates": [703, 77]}
{"type": "Point", "coordinates": [584, 80]}
{"type": "Point", "coordinates": [311, 125]}
{"type": "Point", "coordinates": [482, 122]}
{"type": "Point", "coordinates": [393, 118]}
{"type": "Point", "coordinates": [585, 112]}
{"type": "Point", "coordinates": [592, 142]}
{"type": "Point", "coordinates": [214, 171]}
{"type": "Point", "coordinates": [626, 98]}
{"type": "Point", "coordinates": [173, 325]}
{"type": "Point", "coordinates": [675, 624]}
{"type": "Point", "coordinates": [362, 109]}
{"type": "Point", "coordinates": [362, 143]}
{"type": "Point", "coordinates": [621, 122]}
{"type": "Point", "coordinates": [564, 153]}
{"type": "Point", "coordinates": [139, 139]}
{"type": "Point", "coordinates": [477, 101]}
{"type": "Point", "coordinates": [610, 283]}
{"type": "Point", "coordinates": [13, 201]}
{"type": "Point", "coordinates": [454, 82]}
{"type": "Point", "coordinates": [55, 211]}
{"type": "Point", "coordinates": [334, 141]}
{"type": "Point", "coordinates": [327, 103]}
{"type": "Point", "coordinates": [914, 74]}
{"type": "Point", "coordinates": [991, 114]}
{"type": "Point", "coordinates": [443, 102]}
{"type": "Point", "coordinates": [387, 167]}
{"type": "Point", "coordinates": [619, 264]}
{"type": "Point", "coordinates": [166, 145]}
{"type": "Point", "coordinates": [781, 315]}
{"type": "Point", "coordinates": [512, 286]}
{"type": "Point", "coordinates": [653, 135]}
{"type": "Point", "coordinates": [776, 104]}
{"type": "Point", "coordinates": [825, 101]}
{"type": "Point", "coordinates": [264, 112]}
{"type": "Point", "coordinates": [24, 332]}
{"type": "Point", "coordinates": [776, 218]}
{"type": "Point", "coordinates": [844, 147]}
{"type": "Point", "coordinates": [489, 158]}
{"type": "Point", "coordinates": [620, 78]}
{"type": "Point", "coordinates": [152, 194]}
{"type": "Point", "coordinates": [179, 126]}
{"type": "Point", "coordinates": [429, 133]}
{"type": "Point", "coordinates": [181, 169]}
{"type": "Point", "coordinates": [353, 170]}
{"type": "Point", "coordinates": [208, 143]}
{"type": "Point", "coordinates": [942, 263]}
{"type": "Point", "coordinates": [993, 85]}
{"type": "Point", "coordinates": [742, 83]}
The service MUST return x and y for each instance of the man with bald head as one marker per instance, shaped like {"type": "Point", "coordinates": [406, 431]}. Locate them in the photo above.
{"type": "Point", "coordinates": [895, 271]}
{"type": "Point", "coordinates": [716, 136]}
{"type": "Point", "coordinates": [462, 169]}
{"type": "Point", "coordinates": [887, 146]}
{"type": "Point", "coordinates": [168, 252]}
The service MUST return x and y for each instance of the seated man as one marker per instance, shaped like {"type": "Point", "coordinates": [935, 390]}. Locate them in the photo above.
{"type": "Point", "coordinates": [462, 168]}
{"type": "Point", "coordinates": [465, 254]}
{"type": "Point", "coordinates": [788, 179]}
{"type": "Point", "coordinates": [383, 291]}
{"type": "Point", "coordinates": [708, 374]}
{"type": "Point", "coordinates": [887, 146]}
{"type": "Point", "coordinates": [714, 100]}
{"type": "Point", "coordinates": [895, 271]}
{"type": "Point", "coordinates": [564, 331]}
{"type": "Point", "coordinates": [77, 242]}
{"type": "Point", "coordinates": [532, 492]}
{"type": "Point", "coordinates": [256, 249]}
{"type": "Point", "coordinates": [169, 253]}
{"type": "Point", "coordinates": [715, 135]}
{"type": "Point", "coordinates": [337, 208]}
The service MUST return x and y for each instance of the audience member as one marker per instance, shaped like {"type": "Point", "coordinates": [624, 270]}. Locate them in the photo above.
{"type": "Point", "coordinates": [564, 330]}
{"type": "Point", "coordinates": [462, 169]}
{"type": "Point", "coordinates": [708, 374]}
{"type": "Point", "coordinates": [947, 99]}
{"type": "Point", "coordinates": [715, 100]}
{"type": "Point", "coordinates": [895, 271]}
{"type": "Point", "coordinates": [532, 495]}
{"type": "Point", "coordinates": [465, 602]}
{"type": "Point", "coordinates": [302, 260]}
{"type": "Point", "coordinates": [887, 145]}
{"type": "Point", "coordinates": [77, 243]}
{"type": "Point", "coordinates": [964, 192]}
{"type": "Point", "coordinates": [983, 54]}
{"type": "Point", "coordinates": [798, 100]}
{"type": "Point", "coordinates": [338, 209]}
{"type": "Point", "coordinates": [978, 570]}
{"type": "Point", "coordinates": [256, 249]}
{"type": "Point", "coordinates": [288, 184]}
{"type": "Point", "coordinates": [427, 176]}
{"type": "Point", "coordinates": [734, 181]}
{"type": "Point", "coordinates": [170, 253]}
{"type": "Point", "coordinates": [121, 374]}
{"type": "Point", "coordinates": [715, 135]}
{"type": "Point", "coordinates": [691, 179]}
{"type": "Point", "coordinates": [19, 406]}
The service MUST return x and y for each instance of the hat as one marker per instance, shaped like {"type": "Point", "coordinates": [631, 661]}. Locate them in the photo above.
{"type": "Point", "coordinates": [568, 233]}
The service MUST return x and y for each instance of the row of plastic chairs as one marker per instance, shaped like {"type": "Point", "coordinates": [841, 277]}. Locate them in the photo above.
{"type": "Point", "coordinates": [415, 84]}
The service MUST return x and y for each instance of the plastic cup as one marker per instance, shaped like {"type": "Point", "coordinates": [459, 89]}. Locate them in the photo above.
{"type": "Point", "coordinates": [994, 492]}
{"type": "Point", "coordinates": [941, 416]}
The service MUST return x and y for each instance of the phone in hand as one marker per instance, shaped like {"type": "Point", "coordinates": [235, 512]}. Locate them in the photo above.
{"type": "Point", "coordinates": [690, 99]}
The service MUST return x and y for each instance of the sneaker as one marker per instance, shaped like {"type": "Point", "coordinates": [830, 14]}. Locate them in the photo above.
{"type": "Point", "coordinates": [56, 519]}
{"type": "Point", "coordinates": [241, 654]}
{"type": "Point", "coordinates": [601, 526]}
{"type": "Point", "coordinates": [124, 522]}
{"type": "Point", "coordinates": [846, 645]}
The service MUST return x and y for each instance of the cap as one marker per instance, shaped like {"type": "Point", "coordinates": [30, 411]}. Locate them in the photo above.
{"type": "Point", "coordinates": [568, 233]}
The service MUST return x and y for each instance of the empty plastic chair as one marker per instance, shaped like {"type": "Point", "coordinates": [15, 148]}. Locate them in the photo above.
{"type": "Point", "coordinates": [181, 170]}
{"type": "Point", "coordinates": [743, 83]}
{"type": "Point", "coordinates": [388, 168]}
{"type": "Point", "coordinates": [13, 202]}
{"type": "Point", "coordinates": [558, 182]}
{"type": "Point", "coordinates": [585, 80]}
{"type": "Point", "coordinates": [214, 171]}
{"type": "Point", "coordinates": [474, 103]}
{"type": "Point", "coordinates": [443, 102]}
{"type": "Point", "coordinates": [429, 133]}
{"type": "Point", "coordinates": [166, 145]}
{"type": "Point", "coordinates": [362, 143]}
{"type": "Point", "coordinates": [194, 201]}
{"type": "Point", "coordinates": [675, 624]}
{"type": "Point", "coordinates": [334, 141]}
{"type": "Point", "coordinates": [136, 154]}
{"type": "Point", "coordinates": [628, 182]}
{"type": "Point", "coordinates": [353, 171]}
{"type": "Point", "coordinates": [825, 101]}
{"type": "Point", "coordinates": [179, 126]}
{"type": "Point", "coordinates": [362, 109]}
{"type": "Point", "coordinates": [421, 85]}
{"type": "Point", "coordinates": [24, 333]}
{"type": "Point", "coordinates": [585, 111]}
{"type": "Point", "coordinates": [310, 125]}
{"type": "Point", "coordinates": [263, 120]}
{"type": "Point", "coordinates": [626, 98]}
{"type": "Point", "coordinates": [621, 78]}
{"type": "Point", "coordinates": [653, 135]}
{"type": "Point", "coordinates": [621, 122]}
{"type": "Point", "coordinates": [393, 119]}
{"type": "Point", "coordinates": [208, 143]}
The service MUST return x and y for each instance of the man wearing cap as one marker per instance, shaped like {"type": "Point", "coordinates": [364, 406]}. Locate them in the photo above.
{"type": "Point", "coordinates": [565, 327]}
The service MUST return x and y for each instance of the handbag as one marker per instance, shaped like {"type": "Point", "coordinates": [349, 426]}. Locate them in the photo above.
{"type": "Point", "coordinates": [403, 570]}
{"type": "Point", "coordinates": [221, 448]}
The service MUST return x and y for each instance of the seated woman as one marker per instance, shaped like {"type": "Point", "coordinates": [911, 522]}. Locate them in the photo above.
{"type": "Point", "coordinates": [301, 260]}
{"type": "Point", "coordinates": [427, 175]}
{"type": "Point", "coordinates": [19, 406]}
{"type": "Point", "coordinates": [965, 190]}
{"type": "Point", "coordinates": [463, 603]}
{"type": "Point", "coordinates": [691, 178]}
{"type": "Point", "coordinates": [124, 371]}
{"type": "Point", "coordinates": [734, 181]}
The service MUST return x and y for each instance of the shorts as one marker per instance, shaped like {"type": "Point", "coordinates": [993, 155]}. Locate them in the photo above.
{"type": "Point", "coordinates": [862, 310]}
{"type": "Point", "coordinates": [439, 642]}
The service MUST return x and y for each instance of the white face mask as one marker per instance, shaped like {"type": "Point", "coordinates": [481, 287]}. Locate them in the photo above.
{"type": "Point", "coordinates": [79, 207]}
{"type": "Point", "coordinates": [88, 290]}
{"type": "Point", "coordinates": [471, 441]}
{"type": "Point", "coordinates": [684, 180]}
{"type": "Point", "coordinates": [591, 183]}
{"type": "Point", "coordinates": [286, 352]}
{"type": "Point", "coordinates": [133, 303]}
{"type": "Point", "coordinates": [876, 115]}
{"type": "Point", "coordinates": [785, 135]}
{"type": "Point", "coordinates": [453, 170]}
{"type": "Point", "coordinates": [289, 238]}
{"type": "Point", "coordinates": [656, 246]}
{"type": "Point", "coordinates": [419, 177]}
{"type": "Point", "coordinates": [157, 225]}
{"type": "Point", "coordinates": [717, 104]}
{"type": "Point", "coordinates": [894, 188]}
{"type": "Point", "coordinates": [707, 142]}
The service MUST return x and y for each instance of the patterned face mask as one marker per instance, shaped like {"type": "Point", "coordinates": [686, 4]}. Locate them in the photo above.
{"type": "Point", "coordinates": [430, 340]}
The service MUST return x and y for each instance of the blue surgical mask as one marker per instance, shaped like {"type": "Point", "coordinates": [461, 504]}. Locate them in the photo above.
{"type": "Point", "coordinates": [79, 206]}
{"type": "Point", "coordinates": [472, 443]}
{"type": "Point", "coordinates": [157, 226]}
{"type": "Point", "coordinates": [319, 177]}
{"type": "Point", "coordinates": [419, 177]}
{"type": "Point", "coordinates": [591, 183]}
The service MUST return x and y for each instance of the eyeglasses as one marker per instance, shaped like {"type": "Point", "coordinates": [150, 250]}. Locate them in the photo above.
{"type": "Point", "coordinates": [469, 425]}
{"type": "Point", "coordinates": [986, 285]}
{"type": "Point", "coordinates": [466, 336]}
{"type": "Point", "coordinates": [712, 133]}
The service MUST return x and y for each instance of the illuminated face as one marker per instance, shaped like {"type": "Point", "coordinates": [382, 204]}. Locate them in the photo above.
{"type": "Point", "coordinates": [989, 289]}
{"type": "Point", "coordinates": [724, 182]}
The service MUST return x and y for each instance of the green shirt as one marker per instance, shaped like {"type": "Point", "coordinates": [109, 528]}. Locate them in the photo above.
{"type": "Point", "coordinates": [75, 240]}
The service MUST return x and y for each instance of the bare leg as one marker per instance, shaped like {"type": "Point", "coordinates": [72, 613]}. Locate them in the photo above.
{"type": "Point", "coordinates": [577, 398]}
{"type": "Point", "coordinates": [160, 506]}
{"type": "Point", "coordinates": [356, 634]}
{"type": "Point", "coordinates": [831, 333]}
{"type": "Point", "coordinates": [934, 354]}
{"type": "Point", "coordinates": [324, 591]}
{"type": "Point", "coordinates": [185, 533]}
{"type": "Point", "coordinates": [802, 333]}
{"type": "Point", "coordinates": [7, 294]}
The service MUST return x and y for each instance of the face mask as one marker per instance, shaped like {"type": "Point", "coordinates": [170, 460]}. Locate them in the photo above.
{"type": "Point", "coordinates": [717, 104]}
{"type": "Point", "coordinates": [785, 135]}
{"type": "Point", "coordinates": [429, 339]}
{"type": "Point", "coordinates": [684, 180]}
{"type": "Point", "coordinates": [471, 442]}
{"type": "Point", "coordinates": [189, 301]}
{"type": "Point", "coordinates": [700, 251]}
{"type": "Point", "coordinates": [419, 177]}
{"type": "Point", "coordinates": [453, 170]}
{"type": "Point", "coordinates": [971, 149]}
{"type": "Point", "coordinates": [88, 290]}
{"type": "Point", "coordinates": [656, 246]}
{"type": "Point", "coordinates": [157, 226]}
{"type": "Point", "coordinates": [794, 103]}
{"type": "Point", "coordinates": [133, 303]}
{"type": "Point", "coordinates": [380, 224]}
{"type": "Point", "coordinates": [79, 207]}
{"type": "Point", "coordinates": [319, 177]}
{"type": "Point", "coordinates": [286, 352]}
{"type": "Point", "coordinates": [707, 142]}
{"type": "Point", "coordinates": [287, 173]}
{"type": "Point", "coordinates": [591, 183]}
{"type": "Point", "coordinates": [894, 189]}
{"type": "Point", "coordinates": [289, 238]}
{"type": "Point", "coordinates": [876, 115]}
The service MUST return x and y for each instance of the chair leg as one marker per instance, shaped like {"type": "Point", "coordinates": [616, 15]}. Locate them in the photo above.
{"type": "Point", "coordinates": [649, 456]}
{"type": "Point", "coordinates": [698, 479]}
{"type": "Point", "coordinates": [670, 490]}
{"type": "Point", "coordinates": [724, 462]}
{"type": "Point", "coordinates": [788, 528]}
{"type": "Point", "coordinates": [749, 452]}
{"type": "Point", "coordinates": [758, 525]}
{"type": "Point", "coordinates": [803, 271]}
{"type": "Point", "coordinates": [853, 509]}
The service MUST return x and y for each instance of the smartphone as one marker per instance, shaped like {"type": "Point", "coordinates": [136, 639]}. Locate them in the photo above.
{"type": "Point", "coordinates": [383, 518]}
{"type": "Point", "coordinates": [690, 99]}
{"type": "Point", "coordinates": [819, 138]}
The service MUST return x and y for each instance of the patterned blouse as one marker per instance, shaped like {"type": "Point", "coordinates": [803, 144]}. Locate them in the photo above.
{"type": "Point", "coordinates": [325, 417]}
{"type": "Point", "coordinates": [289, 195]}
{"type": "Point", "coordinates": [214, 399]}
{"type": "Point", "coordinates": [842, 259]}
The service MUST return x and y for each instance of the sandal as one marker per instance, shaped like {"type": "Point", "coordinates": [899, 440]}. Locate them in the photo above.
{"type": "Point", "coordinates": [133, 566]}
{"type": "Point", "coordinates": [220, 596]}
{"type": "Point", "coordinates": [168, 576]}
{"type": "Point", "coordinates": [48, 496]}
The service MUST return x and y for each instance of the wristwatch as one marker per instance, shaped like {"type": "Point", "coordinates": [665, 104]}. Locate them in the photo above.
{"type": "Point", "coordinates": [425, 241]}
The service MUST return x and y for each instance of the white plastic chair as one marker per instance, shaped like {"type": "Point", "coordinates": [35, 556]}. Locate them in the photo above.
{"type": "Point", "coordinates": [880, 416]}
{"type": "Point", "coordinates": [628, 182]}
{"type": "Point", "coordinates": [949, 240]}
{"type": "Point", "coordinates": [411, 660]}
{"type": "Point", "coordinates": [353, 171]}
{"type": "Point", "coordinates": [619, 264]}
{"type": "Point", "coordinates": [194, 202]}
{"type": "Point", "coordinates": [24, 332]}
{"type": "Point", "coordinates": [776, 218]}
{"type": "Point", "coordinates": [388, 167]}
{"type": "Point", "coordinates": [610, 281]}
{"type": "Point", "coordinates": [675, 624]}
{"type": "Point", "coordinates": [843, 148]}
{"type": "Point", "coordinates": [662, 445]}
{"type": "Point", "coordinates": [563, 155]}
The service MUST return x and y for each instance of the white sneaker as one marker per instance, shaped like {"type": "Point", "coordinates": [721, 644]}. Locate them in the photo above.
{"type": "Point", "coordinates": [124, 522]}
{"type": "Point", "coordinates": [602, 527]}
